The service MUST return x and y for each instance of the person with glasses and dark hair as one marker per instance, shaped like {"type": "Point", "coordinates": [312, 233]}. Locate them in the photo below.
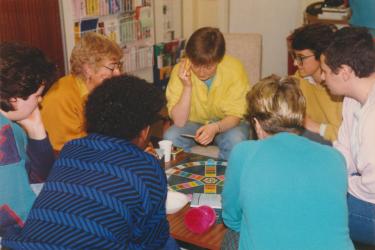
{"type": "Point", "coordinates": [104, 191]}
{"type": "Point", "coordinates": [323, 110]}
{"type": "Point", "coordinates": [93, 59]}
{"type": "Point", "coordinates": [348, 68]}
{"type": "Point", "coordinates": [26, 155]}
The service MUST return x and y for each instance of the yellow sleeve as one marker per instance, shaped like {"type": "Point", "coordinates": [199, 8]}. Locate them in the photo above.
{"type": "Point", "coordinates": [322, 108]}
{"type": "Point", "coordinates": [331, 132]}
{"type": "Point", "coordinates": [174, 89]}
{"type": "Point", "coordinates": [63, 116]}
{"type": "Point", "coordinates": [335, 121]}
{"type": "Point", "coordinates": [234, 102]}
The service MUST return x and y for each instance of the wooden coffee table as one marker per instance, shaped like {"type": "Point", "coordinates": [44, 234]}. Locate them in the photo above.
{"type": "Point", "coordinates": [211, 239]}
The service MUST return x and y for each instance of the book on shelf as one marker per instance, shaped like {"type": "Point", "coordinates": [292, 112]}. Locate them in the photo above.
{"type": "Point", "coordinates": [112, 29]}
{"type": "Point", "coordinates": [88, 25]}
{"type": "Point", "coordinates": [144, 15]}
{"type": "Point", "coordinates": [124, 21]}
{"type": "Point", "coordinates": [333, 16]}
{"type": "Point", "coordinates": [95, 8]}
{"type": "Point", "coordinates": [212, 200]}
{"type": "Point", "coordinates": [137, 58]}
{"type": "Point", "coordinates": [342, 9]}
{"type": "Point", "coordinates": [79, 8]}
{"type": "Point", "coordinates": [334, 13]}
{"type": "Point", "coordinates": [166, 55]}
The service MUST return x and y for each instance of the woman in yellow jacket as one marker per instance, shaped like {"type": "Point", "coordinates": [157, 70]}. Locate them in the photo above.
{"type": "Point", "coordinates": [323, 110]}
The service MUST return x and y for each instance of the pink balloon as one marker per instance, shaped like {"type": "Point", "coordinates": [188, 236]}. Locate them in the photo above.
{"type": "Point", "coordinates": [199, 219]}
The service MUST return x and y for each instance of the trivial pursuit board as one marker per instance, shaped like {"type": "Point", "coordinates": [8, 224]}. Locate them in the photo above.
{"type": "Point", "coordinates": [202, 176]}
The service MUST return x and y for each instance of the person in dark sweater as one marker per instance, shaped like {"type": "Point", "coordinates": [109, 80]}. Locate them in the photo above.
{"type": "Point", "coordinates": [105, 191]}
{"type": "Point", "coordinates": [26, 155]}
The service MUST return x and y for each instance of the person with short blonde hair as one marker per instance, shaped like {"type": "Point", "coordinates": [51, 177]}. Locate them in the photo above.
{"type": "Point", "coordinates": [91, 50]}
{"type": "Point", "coordinates": [283, 105]}
{"type": "Point", "coordinates": [94, 59]}
{"type": "Point", "coordinates": [284, 191]}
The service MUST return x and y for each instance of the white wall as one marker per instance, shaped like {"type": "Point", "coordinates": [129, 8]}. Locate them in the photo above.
{"type": "Point", "coordinates": [173, 16]}
{"type": "Point", "coordinates": [200, 13]}
{"type": "Point", "coordinates": [274, 19]}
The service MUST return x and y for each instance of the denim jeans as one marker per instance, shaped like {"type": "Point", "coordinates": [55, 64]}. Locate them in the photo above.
{"type": "Point", "coordinates": [225, 141]}
{"type": "Point", "coordinates": [361, 220]}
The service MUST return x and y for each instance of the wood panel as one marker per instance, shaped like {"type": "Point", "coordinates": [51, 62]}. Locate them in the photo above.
{"type": "Point", "coordinates": [35, 22]}
{"type": "Point", "coordinates": [211, 239]}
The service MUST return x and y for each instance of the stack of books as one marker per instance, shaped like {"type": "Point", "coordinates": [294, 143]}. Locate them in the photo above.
{"type": "Point", "coordinates": [335, 13]}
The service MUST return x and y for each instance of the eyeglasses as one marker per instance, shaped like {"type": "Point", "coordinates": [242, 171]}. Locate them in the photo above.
{"type": "Point", "coordinates": [299, 59]}
{"type": "Point", "coordinates": [205, 68]}
{"type": "Point", "coordinates": [113, 66]}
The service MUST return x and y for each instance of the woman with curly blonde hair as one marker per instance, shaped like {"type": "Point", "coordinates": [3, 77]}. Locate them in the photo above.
{"type": "Point", "coordinates": [93, 59]}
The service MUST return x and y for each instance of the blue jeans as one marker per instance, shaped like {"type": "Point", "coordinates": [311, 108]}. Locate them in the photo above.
{"type": "Point", "coordinates": [225, 141]}
{"type": "Point", "coordinates": [361, 220]}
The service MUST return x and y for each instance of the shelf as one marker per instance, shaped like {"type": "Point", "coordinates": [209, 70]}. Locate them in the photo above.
{"type": "Point", "coordinates": [309, 19]}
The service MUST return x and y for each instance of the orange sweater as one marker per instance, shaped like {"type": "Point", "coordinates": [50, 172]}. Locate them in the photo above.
{"type": "Point", "coordinates": [63, 110]}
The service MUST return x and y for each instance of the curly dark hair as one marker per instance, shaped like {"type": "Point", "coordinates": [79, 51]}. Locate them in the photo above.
{"type": "Point", "coordinates": [315, 37]}
{"type": "Point", "coordinates": [354, 47]}
{"type": "Point", "coordinates": [122, 106]}
{"type": "Point", "coordinates": [205, 46]}
{"type": "Point", "coordinates": [23, 69]}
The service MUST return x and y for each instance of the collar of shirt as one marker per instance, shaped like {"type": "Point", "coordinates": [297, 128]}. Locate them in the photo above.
{"type": "Point", "coordinates": [209, 81]}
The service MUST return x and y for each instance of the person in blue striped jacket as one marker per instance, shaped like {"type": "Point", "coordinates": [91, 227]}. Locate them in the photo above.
{"type": "Point", "coordinates": [105, 191]}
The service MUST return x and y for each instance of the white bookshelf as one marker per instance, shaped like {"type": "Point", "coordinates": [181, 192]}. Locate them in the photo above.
{"type": "Point", "coordinates": [158, 20]}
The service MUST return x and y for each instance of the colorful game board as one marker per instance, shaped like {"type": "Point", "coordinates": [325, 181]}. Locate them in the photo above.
{"type": "Point", "coordinates": [202, 176]}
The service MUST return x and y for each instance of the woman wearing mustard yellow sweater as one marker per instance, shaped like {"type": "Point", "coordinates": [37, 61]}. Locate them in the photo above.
{"type": "Point", "coordinates": [323, 110]}
{"type": "Point", "coordinates": [93, 59]}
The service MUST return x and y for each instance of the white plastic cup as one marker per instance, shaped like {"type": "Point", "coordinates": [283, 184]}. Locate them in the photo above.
{"type": "Point", "coordinates": [166, 146]}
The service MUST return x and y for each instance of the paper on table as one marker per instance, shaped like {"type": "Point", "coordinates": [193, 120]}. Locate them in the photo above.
{"type": "Point", "coordinates": [212, 200]}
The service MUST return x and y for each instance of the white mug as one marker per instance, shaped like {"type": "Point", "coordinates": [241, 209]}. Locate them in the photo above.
{"type": "Point", "coordinates": [166, 146]}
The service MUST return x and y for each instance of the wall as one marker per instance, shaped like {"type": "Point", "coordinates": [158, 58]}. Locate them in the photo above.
{"type": "Point", "coordinates": [173, 17]}
{"type": "Point", "coordinates": [274, 23]}
{"type": "Point", "coordinates": [275, 20]}
{"type": "Point", "coordinates": [36, 23]}
{"type": "Point", "coordinates": [200, 13]}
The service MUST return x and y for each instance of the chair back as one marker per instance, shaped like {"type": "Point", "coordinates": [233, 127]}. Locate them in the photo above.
{"type": "Point", "coordinates": [247, 47]}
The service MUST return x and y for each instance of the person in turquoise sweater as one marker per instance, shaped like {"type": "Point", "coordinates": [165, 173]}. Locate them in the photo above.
{"type": "Point", "coordinates": [284, 191]}
{"type": "Point", "coordinates": [26, 155]}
